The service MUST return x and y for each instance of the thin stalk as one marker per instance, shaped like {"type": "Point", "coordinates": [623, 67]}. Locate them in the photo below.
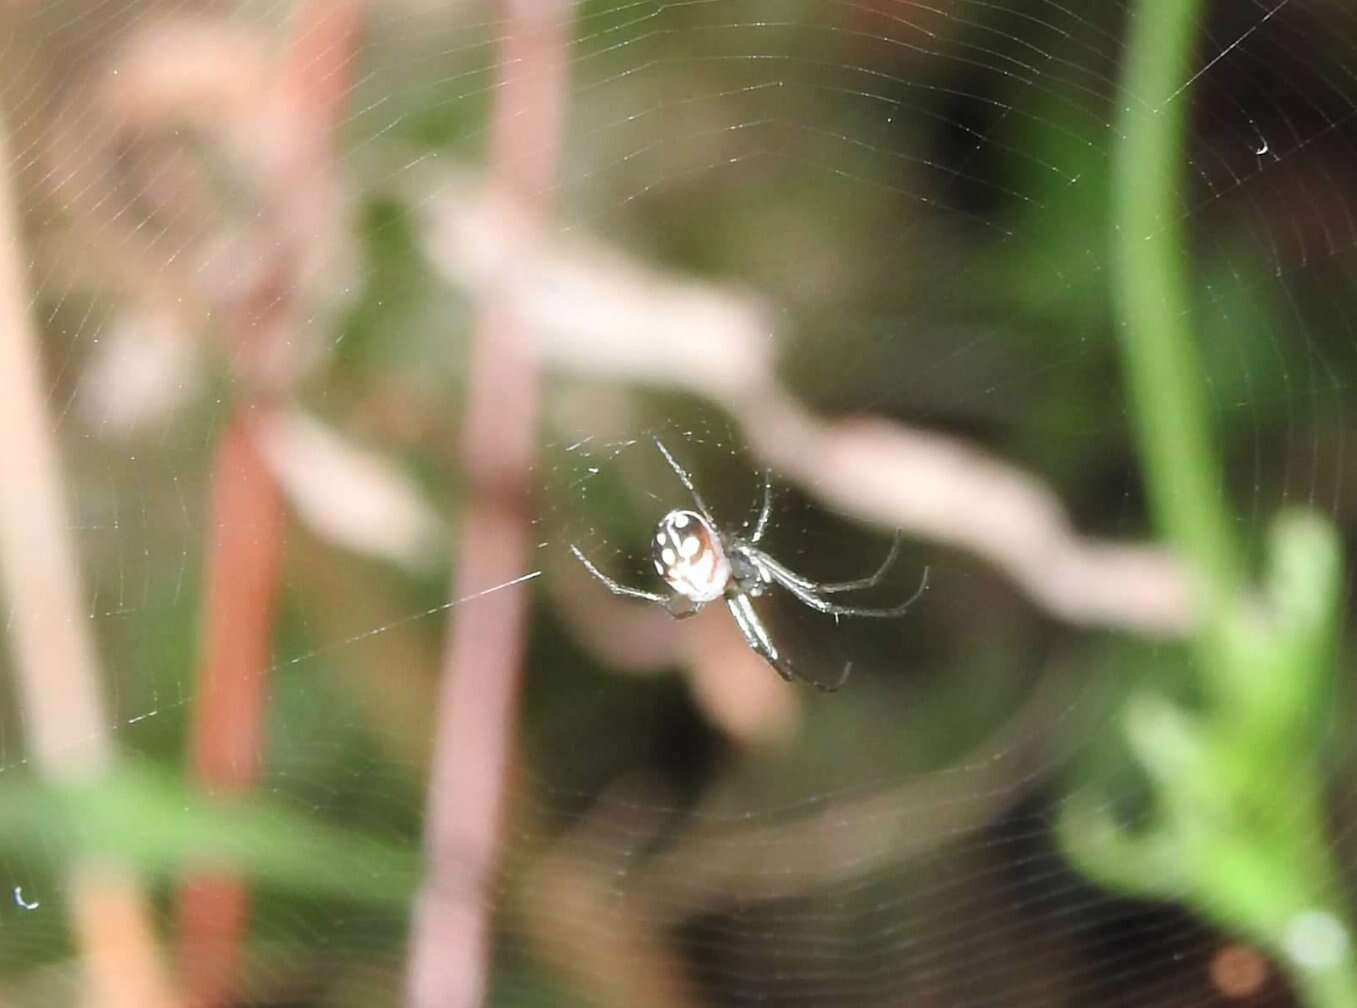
{"type": "Point", "coordinates": [55, 662]}
{"type": "Point", "coordinates": [245, 544]}
{"type": "Point", "coordinates": [1239, 804]}
{"type": "Point", "coordinates": [478, 703]}
{"type": "Point", "coordinates": [1162, 369]}
{"type": "Point", "coordinates": [248, 522]}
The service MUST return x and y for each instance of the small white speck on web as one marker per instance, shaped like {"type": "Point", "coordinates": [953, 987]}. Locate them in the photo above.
{"type": "Point", "coordinates": [22, 903]}
{"type": "Point", "coordinates": [1317, 940]}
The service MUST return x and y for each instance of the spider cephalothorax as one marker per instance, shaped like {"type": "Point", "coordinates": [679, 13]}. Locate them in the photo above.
{"type": "Point", "coordinates": [701, 565]}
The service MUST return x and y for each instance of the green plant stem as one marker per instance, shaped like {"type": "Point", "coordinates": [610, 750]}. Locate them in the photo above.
{"type": "Point", "coordinates": [1239, 807]}
{"type": "Point", "coordinates": [1159, 356]}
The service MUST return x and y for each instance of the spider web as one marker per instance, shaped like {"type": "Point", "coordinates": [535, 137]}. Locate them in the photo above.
{"type": "Point", "coordinates": [884, 212]}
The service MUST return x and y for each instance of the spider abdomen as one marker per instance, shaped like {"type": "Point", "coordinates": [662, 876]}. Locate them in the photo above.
{"type": "Point", "coordinates": [689, 556]}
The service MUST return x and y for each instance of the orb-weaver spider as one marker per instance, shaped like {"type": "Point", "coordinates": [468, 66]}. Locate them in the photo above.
{"type": "Point", "coordinates": [701, 565]}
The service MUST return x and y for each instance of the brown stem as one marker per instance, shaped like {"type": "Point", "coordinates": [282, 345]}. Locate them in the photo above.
{"type": "Point", "coordinates": [481, 669]}
{"type": "Point", "coordinates": [247, 513]}
{"type": "Point", "coordinates": [54, 656]}
{"type": "Point", "coordinates": [247, 530]}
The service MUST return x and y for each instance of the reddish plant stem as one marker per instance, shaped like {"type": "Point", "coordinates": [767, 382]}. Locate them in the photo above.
{"type": "Point", "coordinates": [246, 524]}
{"type": "Point", "coordinates": [244, 556]}
{"type": "Point", "coordinates": [247, 514]}
{"type": "Point", "coordinates": [450, 945]}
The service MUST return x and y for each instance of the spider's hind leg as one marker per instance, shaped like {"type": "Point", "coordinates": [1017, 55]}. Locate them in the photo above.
{"type": "Point", "coordinates": [756, 636]}
{"type": "Point", "coordinates": [843, 678]}
{"type": "Point", "coordinates": [761, 523]}
{"type": "Point", "coordinates": [616, 587]}
{"type": "Point", "coordinates": [687, 481]}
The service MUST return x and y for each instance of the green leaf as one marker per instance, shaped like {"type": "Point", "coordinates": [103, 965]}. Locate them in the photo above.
{"type": "Point", "coordinates": [164, 830]}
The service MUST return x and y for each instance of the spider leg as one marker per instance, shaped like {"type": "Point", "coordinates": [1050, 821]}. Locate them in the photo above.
{"type": "Point", "coordinates": [681, 606]}
{"type": "Point", "coordinates": [686, 480]}
{"type": "Point", "coordinates": [795, 584]}
{"type": "Point", "coordinates": [857, 584]}
{"type": "Point", "coordinates": [616, 587]}
{"type": "Point", "coordinates": [871, 580]}
{"type": "Point", "coordinates": [756, 636]}
{"type": "Point", "coordinates": [761, 524]}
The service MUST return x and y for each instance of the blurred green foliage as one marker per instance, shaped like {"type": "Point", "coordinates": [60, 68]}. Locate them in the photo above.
{"type": "Point", "coordinates": [1237, 827]}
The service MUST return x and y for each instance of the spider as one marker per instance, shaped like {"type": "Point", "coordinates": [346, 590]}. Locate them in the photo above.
{"type": "Point", "coordinates": [702, 564]}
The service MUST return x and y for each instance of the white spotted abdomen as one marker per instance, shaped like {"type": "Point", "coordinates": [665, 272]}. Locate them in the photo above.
{"type": "Point", "coordinates": [688, 555]}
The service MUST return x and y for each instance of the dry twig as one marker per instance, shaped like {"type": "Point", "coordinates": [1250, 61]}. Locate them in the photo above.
{"type": "Point", "coordinates": [54, 655]}
{"type": "Point", "coordinates": [481, 670]}
{"type": "Point", "coordinates": [592, 311]}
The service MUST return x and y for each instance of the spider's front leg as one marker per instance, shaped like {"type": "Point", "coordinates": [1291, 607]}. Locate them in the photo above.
{"type": "Point", "coordinates": [806, 592]}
